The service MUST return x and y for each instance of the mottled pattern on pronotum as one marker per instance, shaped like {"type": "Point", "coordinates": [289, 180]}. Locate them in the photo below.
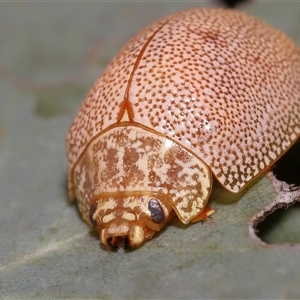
{"type": "Point", "coordinates": [199, 92]}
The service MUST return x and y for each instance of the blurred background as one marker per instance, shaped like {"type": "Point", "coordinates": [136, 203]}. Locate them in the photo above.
{"type": "Point", "coordinates": [51, 53]}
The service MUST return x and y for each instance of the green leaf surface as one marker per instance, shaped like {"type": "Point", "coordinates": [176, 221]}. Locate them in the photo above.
{"type": "Point", "coordinates": [51, 53]}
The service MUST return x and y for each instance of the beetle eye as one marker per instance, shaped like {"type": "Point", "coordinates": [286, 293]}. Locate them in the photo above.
{"type": "Point", "coordinates": [157, 213]}
{"type": "Point", "coordinates": [93, 208]}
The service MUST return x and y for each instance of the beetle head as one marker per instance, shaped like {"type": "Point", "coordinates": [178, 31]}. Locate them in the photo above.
{"type": "Point", "coordinates": [134, 219]}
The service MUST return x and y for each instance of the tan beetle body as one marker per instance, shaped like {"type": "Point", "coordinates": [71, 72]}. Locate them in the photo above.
{"type": "Point", "coordinates": [198, 93]}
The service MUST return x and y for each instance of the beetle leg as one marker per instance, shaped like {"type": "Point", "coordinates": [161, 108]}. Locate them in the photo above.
{"type": "Point", "coordinates": [205, 214]}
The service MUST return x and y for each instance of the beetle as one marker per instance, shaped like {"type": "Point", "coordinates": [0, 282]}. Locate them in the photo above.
{"type": "Point", "coordinates": [201, 92]}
